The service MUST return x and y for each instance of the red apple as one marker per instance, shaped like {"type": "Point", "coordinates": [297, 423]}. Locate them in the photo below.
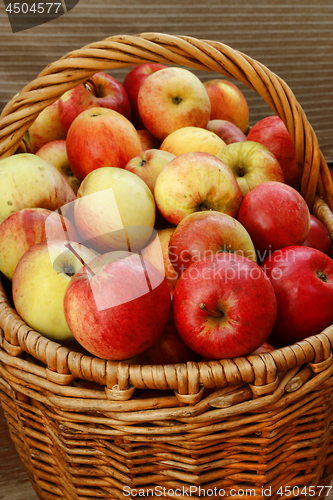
{"type": "Point", "coordinates": [275, 216]}
{"type": "Point", "coordinates": [252, 163]}
{"type": "Point", "coordinates": [302, 278]}
{"type": "Point", "coordinates": [265, 347]}
{"type": "Point", "coordinates": [227, 103]}
{"type": "Point", "coordinates": [227, 131]}
{"type": "Point", "coordinates": [173, 98]}
{"type": "Point", "coordinates": [169, 349]}
{"type": "Point", "coordinates": [202, 234]}
{"type": "Point", "coordinates": [224, 306]}
{"type": "Point", "coordinates": [28, 227]}
{"type": "Point", "coordinates": [157, 253]}
{"type": "Point", "coordinates": [46, 128]}
{"type": "Point", "coordinates": [100, 137]}
{"type": "Point", "coordinates": [318, 237]}
{"type": "Point", "coordinates": [121, 310]}
{"type": "Point", "coordinates": [149, 164]}
{"type": "Point", "coordinates": [272, 132]}
{"type": "Point", "coordinates": [148, 141]}
{"type": "Point", "coordinates": [55, 152]}
{"type": "Point", "coordinates": [132, 84]}
{"type": "Point", "coordinates": [195, 182]}
{"type": "Point", "coordinates": [101, 90]}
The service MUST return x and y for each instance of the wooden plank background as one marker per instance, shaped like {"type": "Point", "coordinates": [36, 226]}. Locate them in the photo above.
{"type": "Point", "coordinates": [294, 38]}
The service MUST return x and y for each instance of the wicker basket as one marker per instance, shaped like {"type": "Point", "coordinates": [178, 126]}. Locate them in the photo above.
{"type": "Point", "coordinates": [87, 428]}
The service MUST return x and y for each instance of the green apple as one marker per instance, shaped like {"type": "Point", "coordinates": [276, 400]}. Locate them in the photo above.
{"type": "Point", "coordinates": [39, 284]}
{"type": "Point", "coordinates": [252, 163]}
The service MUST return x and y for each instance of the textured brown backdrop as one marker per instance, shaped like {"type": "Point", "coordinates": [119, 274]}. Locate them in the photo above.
{"type": "Point", "coordinates": [294, 38]}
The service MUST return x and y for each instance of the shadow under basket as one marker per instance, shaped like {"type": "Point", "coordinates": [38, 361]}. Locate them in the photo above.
{"type": "Point", "coordinates": [86, 428]}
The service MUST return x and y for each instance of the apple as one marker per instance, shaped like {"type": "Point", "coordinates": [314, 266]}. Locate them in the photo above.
{"type": "Point", "coordinates": [227, 131]}
{"type": "Point", "coordinates": [265, 347]}
{"type": "Point", "coordinates": [27, 227]}
{"type": "Point", "coordinates": [55, 152]}
{"type": "Point", "coordinates": [227, 103]}
{"type": "Point", "coordinates": [115, 210]}
{"type": "Point", "coordinates": [170, 349]}
{"type": "Point", "coordinates": [100, 137]}
{"type": "Point", "coordinates": [39, 284]}
{"type": "Point", "coordinates": [196, 181]}
{"type": "Point", "coordinates": [318, 237]}
{"type": "Point", "coordinates": [28, 181]}
{"type": "Point", "coordinates": [189, 139]}
{"type": "Point", "coordinates": [46, 128]}
{"type": "Point", "coordinates": [202, 234]}
{"type": "Point", "coordinates": [157, 253]}
{"type": "Point", "coordinates": [149, 164]}
{"type": "Point", "coordinates": [224, 306]}
{"type": "Point", "coordinates": [100, 90]}
{"type": "Point", "coordinates": [252, 163]}
{"type": "Point", "coordinates": [272, 132]}
{"type": "Point", "coordinates": [302, 278]}
{"type": "Point", "coordinates": [119, 311]}
{"type": "Point", "coordinates": [148, 141]}
{"type": "Point", "coordinates": [275, 216]}
{"type": "Point", "coordinates": [132, 84]}
{"type": "Point", "coordinates": [173, 98]}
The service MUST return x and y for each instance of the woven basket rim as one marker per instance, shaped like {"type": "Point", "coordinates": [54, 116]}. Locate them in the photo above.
{"type": "Point", "coordinates": [317, 189]}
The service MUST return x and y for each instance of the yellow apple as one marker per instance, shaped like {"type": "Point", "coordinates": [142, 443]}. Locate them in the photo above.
{"type": "Point", "coordinates": [55, 152]}
{"type": "Point", "coordinates": [190, 139]}
{"type": "Point", "coordinates": [39, 284]}
{"type": "Point", "coordinates": [115, 209]}
{"type": "Point", "coordinates": [46, 128]}
{"type": "Point", "coordinates": [27, 181]}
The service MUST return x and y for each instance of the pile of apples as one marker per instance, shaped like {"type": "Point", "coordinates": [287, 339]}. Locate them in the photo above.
{"type": "Point", "coordinates": [149, 223]}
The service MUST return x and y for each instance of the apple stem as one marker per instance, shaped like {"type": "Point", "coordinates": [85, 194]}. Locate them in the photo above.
{"type": "Point", "coordinates": [88, 84]}
{"type": "Point", "coordinates": [69, 245]}
{"type": "Point", "coordinates": [322, 276]}
{"type": "Point", "coordinates": [71, 249]}
{"type": "Point", "coordinates": [240, 169]}
{"type": "Point", "coordinates": [210, 311]}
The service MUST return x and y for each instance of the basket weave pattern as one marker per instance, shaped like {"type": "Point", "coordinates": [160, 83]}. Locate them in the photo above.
{"type": "Point", "coordinates": [85, 428]}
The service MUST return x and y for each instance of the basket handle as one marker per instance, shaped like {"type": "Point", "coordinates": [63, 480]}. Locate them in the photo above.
{"type": "Point", "coordinates": [122, 51]}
